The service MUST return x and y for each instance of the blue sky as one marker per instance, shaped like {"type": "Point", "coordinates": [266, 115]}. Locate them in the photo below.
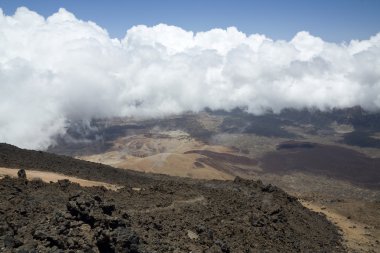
{"type": "Point", "coordinates": [333, 20]}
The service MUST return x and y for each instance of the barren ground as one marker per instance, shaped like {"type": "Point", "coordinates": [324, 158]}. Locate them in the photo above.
{"type": "Point", "coordinates": [205, 216]}
{"type": "Point", "coordinates": [54, 177]}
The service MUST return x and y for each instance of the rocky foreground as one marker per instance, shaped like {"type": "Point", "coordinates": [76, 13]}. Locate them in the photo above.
{"type": "Point", "coordinates": [159, 214]}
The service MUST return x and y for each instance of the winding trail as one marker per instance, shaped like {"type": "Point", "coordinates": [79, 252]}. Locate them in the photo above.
{"type": "Point", "coordinates": [174, 204]}
{"type": "Point", "coordinates": [356, 238]}
{"type": "Point", "coordinates": [54, 177]}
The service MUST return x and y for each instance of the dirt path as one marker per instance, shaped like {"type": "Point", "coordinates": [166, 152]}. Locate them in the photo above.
{"type": "Point", "coordinates": [174, 204]}
{"type": "Point", "coordinates": [54, 177]}
{"type": "Point", "coordinates": [356, 237]}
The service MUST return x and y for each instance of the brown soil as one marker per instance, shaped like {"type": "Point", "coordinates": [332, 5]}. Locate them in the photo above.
{"type": "Point", "coordinates": [225, 157]}
{"type": "Point", "coordinates": [180, 165]}
{"type": "Point", "coordinates": [163, 153]}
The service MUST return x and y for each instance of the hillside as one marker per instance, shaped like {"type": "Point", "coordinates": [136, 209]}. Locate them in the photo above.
{"type": "Point", "coordinates": [152, 213]}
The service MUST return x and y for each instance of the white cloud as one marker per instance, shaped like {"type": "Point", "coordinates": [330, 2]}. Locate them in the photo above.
{"type": "Point", "coordinates": [61, 69]}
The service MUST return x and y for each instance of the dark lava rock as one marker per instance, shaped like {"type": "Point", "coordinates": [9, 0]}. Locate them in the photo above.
{"type": "Point", "coordinates": [62, 222]}
{"type": "Point", "coordinates": [225, 216]}
{"type": "Point", "coordinates": [21, 174]}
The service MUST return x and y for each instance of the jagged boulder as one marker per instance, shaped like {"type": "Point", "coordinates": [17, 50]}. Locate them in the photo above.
{"type": "Point", "coordinates": [21, 174]}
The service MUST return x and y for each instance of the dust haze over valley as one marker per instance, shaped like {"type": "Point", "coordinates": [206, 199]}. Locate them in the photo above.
{"type": "Point", "coordinates": [192, 117]}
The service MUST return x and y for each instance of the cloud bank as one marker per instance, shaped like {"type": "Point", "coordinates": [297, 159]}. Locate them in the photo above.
{"type": "Point", "coordinates": [61, 69]}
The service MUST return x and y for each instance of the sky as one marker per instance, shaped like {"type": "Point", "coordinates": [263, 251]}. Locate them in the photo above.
{"type": "Point", "coordinates": [66, 66]}
{"type": "Point", "coordinates": [332, 20]}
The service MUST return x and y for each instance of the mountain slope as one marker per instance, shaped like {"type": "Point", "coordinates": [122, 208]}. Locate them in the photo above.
{"type": "Point", "coordinates": [160, 214]}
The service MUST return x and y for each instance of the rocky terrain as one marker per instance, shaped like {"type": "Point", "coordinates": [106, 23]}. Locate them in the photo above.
{"type": "Point", "coordinates": [151, 213]}
{"type": "Point", "coordinates": [329, 159]}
